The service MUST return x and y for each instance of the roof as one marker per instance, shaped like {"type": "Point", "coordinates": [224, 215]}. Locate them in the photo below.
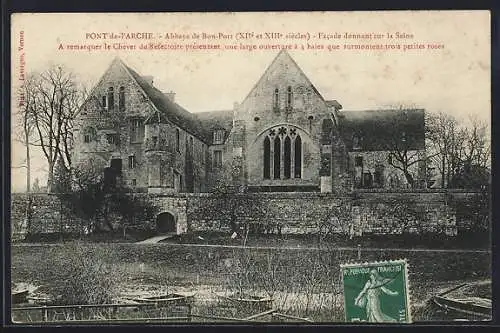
{"type": "Point", "coordinates": [334, 103]}
{"type": "Point", "coordinates": [173, 111]}
{"type": "Point", "coordinates": [379, 128]}
{"type": "Point", "coordinates": [213, 120]}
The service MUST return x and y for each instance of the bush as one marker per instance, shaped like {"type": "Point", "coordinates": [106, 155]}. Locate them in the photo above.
{"type": "Point", "coordinates": [88, 277]}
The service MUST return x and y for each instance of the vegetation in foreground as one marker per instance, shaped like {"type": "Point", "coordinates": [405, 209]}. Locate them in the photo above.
{"type": "Point", "coordinates": [302, 282]}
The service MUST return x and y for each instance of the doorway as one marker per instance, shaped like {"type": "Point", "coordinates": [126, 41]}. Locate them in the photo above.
{"type": "Point", "coordinates": [165, 222]}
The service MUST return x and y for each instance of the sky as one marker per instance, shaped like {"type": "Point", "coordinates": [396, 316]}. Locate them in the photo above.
{"type": "Point", "coordinates": [454, 79]}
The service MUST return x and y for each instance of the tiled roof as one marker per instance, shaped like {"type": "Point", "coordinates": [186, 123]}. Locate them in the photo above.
{"type": "Point", "coordinates": [379, 128]}
{"type": "Point", "coordinates": [173, 111]}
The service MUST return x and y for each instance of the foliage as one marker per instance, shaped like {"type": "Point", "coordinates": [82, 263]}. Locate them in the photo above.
{"type": "Point", "coordinates": [335, 220]}
{"type": "Point", "coordinates": [88, 277]}
{"type": "Point", "coordinates": [475, 209]}
{"type": "Point", "coordinates": [102, 205]}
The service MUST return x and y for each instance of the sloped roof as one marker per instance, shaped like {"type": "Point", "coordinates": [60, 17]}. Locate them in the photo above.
{"type": "Point", "coordinates": [213, 120]}
{"type": "Point", "coordinates": [379, 128]}
{"type": "Point", "coordinates": [334, 103]}
{"type": "Point", "coordinates": [173, 111]}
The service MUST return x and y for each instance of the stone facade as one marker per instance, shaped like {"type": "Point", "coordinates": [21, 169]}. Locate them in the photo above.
{"type": "Point", "coordinates": [284, 136]}
{"type": "Point", "coordinates": [120, 124]}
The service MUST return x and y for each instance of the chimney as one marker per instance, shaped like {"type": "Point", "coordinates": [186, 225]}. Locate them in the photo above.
{"type": "Point", "coordinates": [148, 79]}
{"type": "Point", "coordinates": [170, 95]}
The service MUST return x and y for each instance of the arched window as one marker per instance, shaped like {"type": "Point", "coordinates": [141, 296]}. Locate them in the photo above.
{"type": "Point", "coordinates": [298, 157]}
{"type": "Point", "coordinates": [277, 158]}
{"type": "Point", "coordinates": [267, 158]}
{"type": "Point", "coordinates": [287, 157]}
{"type": "Point", "coordinates": [276, 98]}
{"type": "Point", "coordinates": [282, 154]}
{"type": "Point", "coordinates": [177, 140]}
{"type": "Point", "coordinates": [289, 97]}
{"type": "Point", "coordinates": [121, 99]}
{"type": "Point", "coordinates": [111, 98]}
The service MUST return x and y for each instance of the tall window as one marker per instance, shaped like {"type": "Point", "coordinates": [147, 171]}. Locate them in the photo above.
{"type": "Point", "coordinates": [132, 163]}
{"type": "Point", "coordinates": [111, 98]}
{"type": "Point", "coordinates": [121, 99]}
{"type": "Point", "coordinates": [136, 130]}
{"type": "Point", "coordinates": [287, 157]}
{"type": "Point", "coordinates": [267, 158]}
{"type": "Point", "coordinates": [277, 158]}
{"type": "Point", "coordinates": [276, 99]}
{"type": "Point", "coordinates": [282, 154]}
{"type": "Point", "coordinates": [217, 158]}
{"type": "Point", "coordinates": [289, 97]}
{"type": "Point", "coordinates": [177, 140]}
{"type": "Point", "coordinates": [298, 157]}
{"type": "Point", "coordinates": [104, 101]}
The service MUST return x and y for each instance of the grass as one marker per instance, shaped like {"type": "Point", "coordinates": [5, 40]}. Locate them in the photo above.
{"type": "Point", "coordinates": [289, 272]}
{"type": "Point", "coordinates": [465, 241]}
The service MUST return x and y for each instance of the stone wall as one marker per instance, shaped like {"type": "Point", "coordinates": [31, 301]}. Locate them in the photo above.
{"type": "Point", "coordinates": [41, 213]}
{"type": "Point", "coordinates": [359, 213]}
{"type": "Point", "coordinates": [365, 213]}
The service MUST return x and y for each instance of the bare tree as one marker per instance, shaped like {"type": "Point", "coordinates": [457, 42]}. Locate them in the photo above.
{"type": "Point", "coordinates": [404, 147]}
{"type": "Point", "coordinates": [55, 104]}
{"type": "Point", "coordinates": [445, 140]}
{"type": "Point", "coordinates": [25, 126]}
{"type": "Point", "coordinates": [477, 147]}
{"type": "Point", "coordinates": [457, 148]}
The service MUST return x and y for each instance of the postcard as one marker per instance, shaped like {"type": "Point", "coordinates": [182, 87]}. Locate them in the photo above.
{"type": "Point", "coordinates": [237, 167]}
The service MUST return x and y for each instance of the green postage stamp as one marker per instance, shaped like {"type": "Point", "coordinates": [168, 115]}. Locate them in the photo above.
{"type": "Point", "coordinates": [376, 292]}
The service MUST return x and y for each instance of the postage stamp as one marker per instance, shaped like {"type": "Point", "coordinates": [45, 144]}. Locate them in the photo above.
{"type": "Point", "coordinates": [376, 292]}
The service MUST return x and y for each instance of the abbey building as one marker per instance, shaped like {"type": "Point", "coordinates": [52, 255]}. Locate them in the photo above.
{"type": "Point", "coordinates": [284, 136]}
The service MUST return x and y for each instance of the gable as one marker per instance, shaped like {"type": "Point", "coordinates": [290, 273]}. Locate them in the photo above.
{"type": "Point", "coordinates": [115, 76]}
{"type": "Point", "coordinates": [283, 72]}
{"type": "Point", "coordinates": [144, 99]}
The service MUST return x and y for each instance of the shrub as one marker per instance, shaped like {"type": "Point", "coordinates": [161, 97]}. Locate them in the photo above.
{"type": "Point", "coordinates": [86, 276]}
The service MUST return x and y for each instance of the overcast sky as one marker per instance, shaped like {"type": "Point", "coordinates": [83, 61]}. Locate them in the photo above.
{"type": "Point", "coordinates": [455, 79]}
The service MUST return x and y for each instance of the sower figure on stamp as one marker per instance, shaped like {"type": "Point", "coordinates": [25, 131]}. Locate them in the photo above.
{"type": "Point", "coordinates": [369, 297]}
